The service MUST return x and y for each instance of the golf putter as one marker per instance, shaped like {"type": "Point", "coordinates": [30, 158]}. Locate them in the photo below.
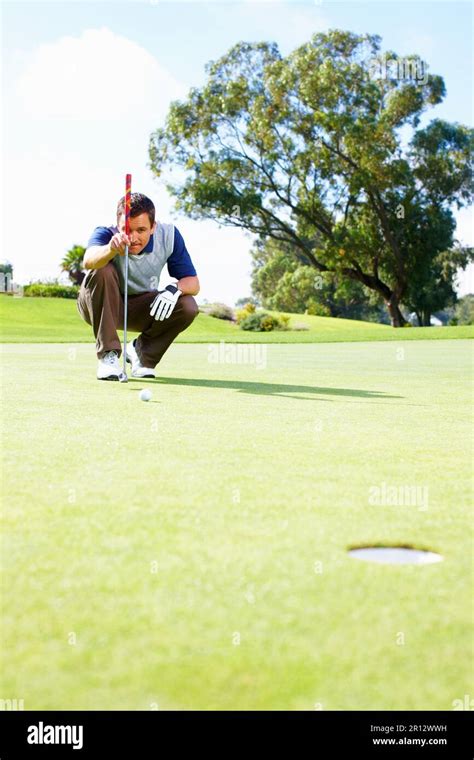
{"type": "Point", "coordinates": [128, 192]}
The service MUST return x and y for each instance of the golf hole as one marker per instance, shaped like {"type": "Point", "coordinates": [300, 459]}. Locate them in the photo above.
{"type": "Point", "coordinates": [395, 555]}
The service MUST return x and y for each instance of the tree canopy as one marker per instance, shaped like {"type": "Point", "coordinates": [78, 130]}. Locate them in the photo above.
{"type": "Point", "coordinates": [306, 150]}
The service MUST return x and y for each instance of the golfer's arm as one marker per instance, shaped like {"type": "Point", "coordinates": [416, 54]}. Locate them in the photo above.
{"type": "Point", "coordinates": [189, 286]}
{"type": "Point", "coordinates": [97, 256]}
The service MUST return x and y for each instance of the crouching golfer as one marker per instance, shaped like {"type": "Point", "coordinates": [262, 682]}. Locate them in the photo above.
{"type": "Point", "coordinates": [158, 315]}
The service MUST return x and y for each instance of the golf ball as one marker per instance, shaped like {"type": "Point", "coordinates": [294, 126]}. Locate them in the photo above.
{"type": "Point", "coordinates": [145, 395]}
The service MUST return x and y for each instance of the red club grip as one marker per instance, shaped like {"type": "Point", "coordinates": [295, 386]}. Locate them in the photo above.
{"type": "Point", "coordinates": [128, 197]}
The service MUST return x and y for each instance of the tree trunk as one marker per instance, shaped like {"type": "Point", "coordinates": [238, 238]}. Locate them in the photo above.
{"type": "Point", "coordinates": [419, 318]}
{"type": "Point", "coordinates": [389, 296]}
{"type": "Point", "coordinates": [396, 316]}
{"type": "Point", "coordinates": [426, 318]}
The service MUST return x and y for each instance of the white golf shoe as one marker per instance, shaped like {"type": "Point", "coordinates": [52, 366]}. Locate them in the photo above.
{"type": "Point", "coordinates": [108, 367]}
{"type": "Point", "coordinates": [138, 370]}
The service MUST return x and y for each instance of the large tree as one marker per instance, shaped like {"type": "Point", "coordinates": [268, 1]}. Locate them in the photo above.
{"type": "Point", "coordinates": [306, 149]}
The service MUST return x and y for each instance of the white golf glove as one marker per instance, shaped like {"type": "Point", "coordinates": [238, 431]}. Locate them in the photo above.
{"type": "Point", "coordinates": [165, 301]}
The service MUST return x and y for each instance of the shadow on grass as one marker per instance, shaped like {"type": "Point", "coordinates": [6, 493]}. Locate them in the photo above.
{"type": "Point", "coordinates": [269, 389]}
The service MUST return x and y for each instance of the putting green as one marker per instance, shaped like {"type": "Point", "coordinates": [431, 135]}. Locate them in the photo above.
{"type": "Point", "coordinates": [191, 552]}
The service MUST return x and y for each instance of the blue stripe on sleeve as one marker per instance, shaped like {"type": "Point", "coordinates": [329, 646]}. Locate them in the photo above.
{"type": "Point", "coordinates": [101, 236]}
{"type": "Point", "coordinates": [179, 263]}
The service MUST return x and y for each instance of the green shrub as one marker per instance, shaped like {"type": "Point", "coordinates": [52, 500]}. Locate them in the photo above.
{"type": "Point", "coordinates": [284, 321]}
{"type": "Point", "coordinates": [268, 323]}
{"type": "Point", "coordinates": [50, 290]}
{"type": "Point", "coordinates": [318, 309]}
{"type": "Point", "coordinates": [252, 322]}
{"type": "Point", "coordinates": [261, 321]}
{"type": "Point", "coordinates": [242, 314]}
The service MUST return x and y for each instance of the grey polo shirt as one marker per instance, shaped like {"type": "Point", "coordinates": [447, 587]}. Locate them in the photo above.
{"type": "Point", "coordinates": [166, 246]}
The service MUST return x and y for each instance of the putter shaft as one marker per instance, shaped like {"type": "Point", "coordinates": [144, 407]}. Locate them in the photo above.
{"type": "Point", "coordinates": [125, 310]}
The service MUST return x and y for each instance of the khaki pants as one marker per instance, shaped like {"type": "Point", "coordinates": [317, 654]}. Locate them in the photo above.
{"type": "Point", "coordinates": [100, 304]}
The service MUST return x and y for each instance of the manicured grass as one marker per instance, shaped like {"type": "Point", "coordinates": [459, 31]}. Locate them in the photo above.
{"type": "Point", "coordinates": [191, 552]}
{"type": "Point", "coordinates": [56, 320]}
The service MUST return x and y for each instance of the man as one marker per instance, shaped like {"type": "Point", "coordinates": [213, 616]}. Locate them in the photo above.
{"type": "Point", "coordinates": [159, 316]}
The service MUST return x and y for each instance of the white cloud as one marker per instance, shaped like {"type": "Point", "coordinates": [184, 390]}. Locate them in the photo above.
{"type": "Point", "coordinates": [98, 76]}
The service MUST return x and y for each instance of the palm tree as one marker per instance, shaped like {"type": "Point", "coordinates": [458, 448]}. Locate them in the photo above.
{"type": "Point", "coordinates": [72, 264]}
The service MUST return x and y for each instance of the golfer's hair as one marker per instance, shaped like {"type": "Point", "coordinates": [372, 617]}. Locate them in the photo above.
{"type": "Point", "coordinates": [139, 204]}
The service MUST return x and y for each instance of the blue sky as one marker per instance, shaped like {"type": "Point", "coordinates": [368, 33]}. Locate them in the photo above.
{"type": "Point", "coordinates": [85, 84]}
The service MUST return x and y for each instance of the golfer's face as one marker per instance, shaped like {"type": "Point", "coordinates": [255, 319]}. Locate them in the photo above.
{"type": "Point", "coordinates": [140, 231]}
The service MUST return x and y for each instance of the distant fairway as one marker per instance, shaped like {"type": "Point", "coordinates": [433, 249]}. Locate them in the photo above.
{"type": "Point", "coordinates": [191, 553]}
{"type": "Point", "coordinates": [56, 320]}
